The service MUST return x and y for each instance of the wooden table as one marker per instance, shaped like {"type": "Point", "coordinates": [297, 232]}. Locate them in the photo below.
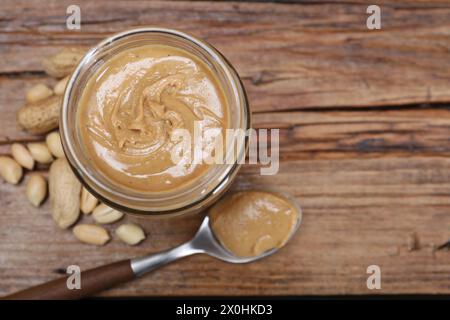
{"type": "Point", "coordinates": [365, 146]}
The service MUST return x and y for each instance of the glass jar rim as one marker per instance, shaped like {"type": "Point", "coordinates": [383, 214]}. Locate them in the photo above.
{"type": "Point", "coordinates": [104, 192]}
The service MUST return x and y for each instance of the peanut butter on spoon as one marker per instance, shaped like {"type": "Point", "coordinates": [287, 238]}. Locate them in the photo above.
{"type": "Point", "coordinates": [249, 223]}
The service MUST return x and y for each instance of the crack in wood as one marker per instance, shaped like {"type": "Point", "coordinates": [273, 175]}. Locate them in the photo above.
{"type": "Point", "coordinates": [400, 6]}
{"type": "Point", "coordinates": [23, 74]}
{"type": "Point", "coordinates": [415, 106]}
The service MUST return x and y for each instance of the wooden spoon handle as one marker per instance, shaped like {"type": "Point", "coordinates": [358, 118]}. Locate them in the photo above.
{"type": "Point", "coordinates": [92, 281]}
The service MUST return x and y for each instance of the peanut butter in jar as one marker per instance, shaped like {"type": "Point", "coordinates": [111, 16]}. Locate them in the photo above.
{"type": "Point", "coordinates": [132, 104]}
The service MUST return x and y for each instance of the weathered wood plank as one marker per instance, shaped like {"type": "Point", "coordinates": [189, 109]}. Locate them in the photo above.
{"type": "Point", "coordinates": [290, 56]}
{"type": "Point", "coordinates": [422, 131]}
{"type": "Point", "coordinates": [356, 213]}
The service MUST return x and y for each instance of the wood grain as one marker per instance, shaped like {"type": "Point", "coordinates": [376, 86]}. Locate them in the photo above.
{"type": "Point", "coordinates": [290, 56]}
{"type": "Point", "coordinates": [356, 213]}
{"type": "Point", "coordinates": [371, 175]}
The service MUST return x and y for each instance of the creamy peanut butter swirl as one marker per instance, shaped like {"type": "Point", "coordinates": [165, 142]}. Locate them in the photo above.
{"type": "Point", "coordinates": [132, 104]}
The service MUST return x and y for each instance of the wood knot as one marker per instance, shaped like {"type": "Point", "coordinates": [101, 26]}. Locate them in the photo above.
{"type": "Point", "coordinates": [413, 242]}
{"type": "Point", "coordinates": [257, 79]}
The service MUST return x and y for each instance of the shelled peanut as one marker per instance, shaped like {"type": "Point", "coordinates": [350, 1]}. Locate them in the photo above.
{"type": "Point", "coordinates": [36, 189]}
{"type": "Point", "coordinates": [40, 152]}
{"type": "Point", "coordinates": [91, 234]}
{"type": "Point", "coordinates": [38, 92]}
{"type": "Point", "coordinates": [88, 201]}
{"type": "Point", "coordinates": [22, 156]}
{"type": "Point", "coordinates": [63, 62]}
{"type": "Point", "coordinates": [54, 145]}
{"type": "Point", "coordinates": [10, 170]}
{"type": "Point", "coordinates": [130, 233]}
{"type": "Point", "coordinates": [60, 86]}
{"type": "Point", "coordinates": [105, 215]}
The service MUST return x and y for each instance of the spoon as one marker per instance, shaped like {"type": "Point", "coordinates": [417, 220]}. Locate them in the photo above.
{"type": "Point", "coordinates": [107, 276]}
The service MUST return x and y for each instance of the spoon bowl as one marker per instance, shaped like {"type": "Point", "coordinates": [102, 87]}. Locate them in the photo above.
{"type": "Point", "coordinates": [206, 242]}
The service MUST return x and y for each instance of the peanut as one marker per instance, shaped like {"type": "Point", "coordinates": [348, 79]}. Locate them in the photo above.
{"type": "Point", "coordinates": [22, 156]}
{"type": "Point", "coordinates": [88, 201]}
{"type": "Point", "coordinates": [91, 234]}
{"type": "Point", "coordinates": [40, 152]}
{"type": "Point", "coordinates": [64, 190]}
{"type": "Point", "coordinates": [36, 189]}
{"type": "Point", "coordinates": [40, 117]}
{"type": "Point", "coordinates": [130, 233]}
{"type": "Point", "coordinates": [10, 170]}
{"type": "Point", "coordinates": [60, 86]}
{"type": "Point", "coordinates": [53, 140]}
{"type": "Point", "coordinates": [63, 63]}
{"type": "Point", "coordinates": [38, 92]}
{"type": "Point", "coordinates": [104, 214]}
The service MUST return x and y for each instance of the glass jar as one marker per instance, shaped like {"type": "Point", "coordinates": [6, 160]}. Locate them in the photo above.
{"type": "Point", "coordinates": [193, 198]}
